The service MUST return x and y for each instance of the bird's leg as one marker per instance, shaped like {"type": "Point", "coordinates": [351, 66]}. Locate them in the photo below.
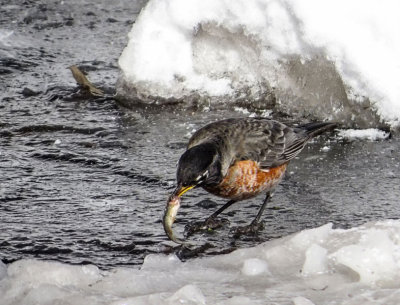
{"type": "Point", "coordinates": [255, 225]}
{"type": "Point", "coordinates": [210, 223]}
{"type": "Point", "coordinates": [221, 209]}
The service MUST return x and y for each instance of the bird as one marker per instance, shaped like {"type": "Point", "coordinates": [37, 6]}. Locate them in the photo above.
{"type": "Point", "coordinates": [237, 159]}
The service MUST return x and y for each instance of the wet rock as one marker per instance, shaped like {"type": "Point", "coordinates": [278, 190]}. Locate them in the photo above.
{"type": "Point", "coordinates": [111, 20]}
{"type": "Point", "coordinates": [29, 92]}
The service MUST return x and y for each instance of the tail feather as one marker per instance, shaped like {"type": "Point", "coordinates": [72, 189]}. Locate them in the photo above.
{"type": "Point", "coordinates": [315, 129]}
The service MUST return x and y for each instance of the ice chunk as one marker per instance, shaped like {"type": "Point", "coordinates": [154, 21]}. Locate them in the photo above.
{"type": "Point", "coordinates": [3, 270]}
{"type": "Point", "coordinates": [304, 239]}
{"type": "Point", "coordinates": [189, 294]}
{"type": "Point", "coordinates": [316, 260]}
{"type": "Point", "coordinates": [370, 134]}
{"type": "Point", "coordinates": [153, 261]}
{"type": "Point", "coordinates": [43, 282]}
{"type": "Point", "coordinates": [254, 266]}
{"type": "Point", "coordinates": [47, 272]}
{"type": "Point", "coordinates": [301, 301]}
{"type": "Point", "coordinates": [376, 258]}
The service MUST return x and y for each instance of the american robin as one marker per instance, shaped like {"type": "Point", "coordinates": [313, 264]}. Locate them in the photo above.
{"type": "Point", "coordinates": [238, 159]}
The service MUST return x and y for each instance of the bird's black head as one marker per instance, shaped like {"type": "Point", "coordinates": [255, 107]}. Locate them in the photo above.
{"type": "Point", "coordinates": [200, 165]}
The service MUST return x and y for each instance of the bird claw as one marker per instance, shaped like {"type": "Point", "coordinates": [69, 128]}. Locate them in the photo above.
{"type": "Point", "coordinates": [207, 225]}
{"type": "Point", "coordinates": [252, 229]}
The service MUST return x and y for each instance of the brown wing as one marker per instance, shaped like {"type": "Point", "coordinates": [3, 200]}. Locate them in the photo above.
{"type": "Point", "coordinates": [269, 142]}
{"type": "Point", "coordinates": [266, 141]}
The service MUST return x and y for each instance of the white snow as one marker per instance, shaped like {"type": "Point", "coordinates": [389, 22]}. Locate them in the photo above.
{"type": "Point", "coordinates": [315, 261]}
{"type": "Point", "coordinates": [370, 134]}
{"type": "Point", "coordinates": [328, 59]}
{"type": "Point", "coordinates": [302, 301]}
{"type": "Point", "coordinates": [321, 266]}
{"type": "Point", "coordinates": [254, 266]}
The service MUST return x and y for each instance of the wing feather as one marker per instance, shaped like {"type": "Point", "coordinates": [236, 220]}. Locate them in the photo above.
{"type": "Point", "coordinates": [268, 142]}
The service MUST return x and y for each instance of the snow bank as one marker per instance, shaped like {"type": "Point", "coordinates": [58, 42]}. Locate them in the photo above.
{"type": "Point", "coordinates": [332, 60]}
{"type": "Point", "coordinates": [318, 266]}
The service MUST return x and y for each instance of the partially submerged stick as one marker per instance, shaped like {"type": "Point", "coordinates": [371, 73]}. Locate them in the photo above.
{"type": "Point", "coordinates": [84, 82]}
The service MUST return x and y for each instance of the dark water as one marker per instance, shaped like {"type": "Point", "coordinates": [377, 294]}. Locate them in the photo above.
{"type": "Point", "coordinates": [86, 181]}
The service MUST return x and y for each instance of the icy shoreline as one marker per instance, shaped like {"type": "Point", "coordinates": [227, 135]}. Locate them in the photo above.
{"type": "Point", "coordinates": [317, 266]}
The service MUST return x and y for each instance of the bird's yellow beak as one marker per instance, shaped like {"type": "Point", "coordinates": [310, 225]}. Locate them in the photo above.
{"type": "Point", "coordinates": [180, 190]}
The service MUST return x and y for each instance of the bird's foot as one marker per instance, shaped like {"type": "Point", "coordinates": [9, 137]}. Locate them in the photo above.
{"type": "Point", "coordinates": [208, 225]}
{"type": "Point", "coordinates": [251, 229]}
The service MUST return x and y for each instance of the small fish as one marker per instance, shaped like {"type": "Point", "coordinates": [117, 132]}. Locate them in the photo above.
{"type": "Point", "coordinates": [174, 202]}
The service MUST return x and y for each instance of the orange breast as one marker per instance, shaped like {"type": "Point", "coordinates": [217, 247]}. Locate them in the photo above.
{"type": "Point", "coordinates": [245, 179]}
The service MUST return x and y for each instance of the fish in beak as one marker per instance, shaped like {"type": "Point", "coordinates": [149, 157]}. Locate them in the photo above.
{"type": "Point", "coordinates": [173, 204]}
